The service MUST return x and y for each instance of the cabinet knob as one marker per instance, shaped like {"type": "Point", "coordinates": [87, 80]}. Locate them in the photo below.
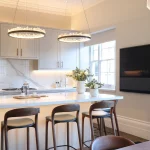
{"type": "Point", "coordinates": [62, 64]}
{"type": "Point", "coordinates": [17, 52]}
{"type": "Point", "coordinates": [58, 64]}
{"type": "Point", "coordinates": [21, 52]}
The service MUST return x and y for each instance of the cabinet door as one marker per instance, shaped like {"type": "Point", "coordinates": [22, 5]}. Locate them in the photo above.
{"type": "Point", "coordinates": [48, 58]}
{"type": "Point", "coordinates": [29, 48]}
{"type": "Point", "coordinates": [9, 45]}
{"type": "Point", "coordinates": [69, 55]}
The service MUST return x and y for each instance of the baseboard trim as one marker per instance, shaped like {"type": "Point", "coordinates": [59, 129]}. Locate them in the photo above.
{"type": "Point", "coordinates": [132, 126]}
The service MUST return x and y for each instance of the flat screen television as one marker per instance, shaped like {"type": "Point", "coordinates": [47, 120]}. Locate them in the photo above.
{"type": "Point", "coordinates": [135, 69]}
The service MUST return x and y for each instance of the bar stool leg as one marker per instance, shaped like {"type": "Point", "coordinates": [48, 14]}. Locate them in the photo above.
{"type": "Point", "coordinates": [101, 126]}
{"type": "Point", "coordinates": [98, 123]}
{"type": "Point", "coordinates": [112, 122]}
{"type": "Point", "coordinates": [79, 135]}
{"type": "Point", "coordinates": [83, 130]}
{"type": "Point", "coordinates": [68, 136]}
{"type": "Point", "coordinates": [46, 136]}
{"type": "Point", "coordinates": [104, 127]}
{"type": "Point", "coordinates": [53, 131]}
{"type": "Point", "coordinates": [2, 137]}
{"type": "Point", "coordinates": [37, 137]}
{"type": "Point", "coordinates": [92, 130]}
{"type": "Point", "coordinates": [116, 121]}
{"type": "Point", "coordinates": [28, 139]}
{"type": "Point", "coordinates": [6, 138]}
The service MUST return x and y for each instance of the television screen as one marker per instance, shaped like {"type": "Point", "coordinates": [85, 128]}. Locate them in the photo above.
{"type": "Point", "coordinates": [135, 69]}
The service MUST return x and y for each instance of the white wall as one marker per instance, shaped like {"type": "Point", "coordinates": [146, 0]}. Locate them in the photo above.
{"type": "Point", "coordinates": [131, 19]}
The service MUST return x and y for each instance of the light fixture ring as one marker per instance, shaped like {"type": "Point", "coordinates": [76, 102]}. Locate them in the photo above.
{"type": "Point", "coordinates": [74, 37]}
{"type": "Point", "coordinates": [27, 33]}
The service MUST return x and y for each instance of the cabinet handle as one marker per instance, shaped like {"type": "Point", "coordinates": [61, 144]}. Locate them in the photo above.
{"type": "Point", "coordinates": [17, 52]}
{"type": "Point", "coordinates": [58, 64]}
{"type": "Point", "coordinates": [62, 64]}
{"type": "Point", "coordinates": [21, 52]}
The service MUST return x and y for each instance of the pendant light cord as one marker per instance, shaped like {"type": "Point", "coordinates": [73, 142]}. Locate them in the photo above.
{"type": "Point", "coordinates": [26, 12]}
{"type": "Point", "coordinates": [15, 12]}
{"type": "Point", "coordinates": [86, 17]}
{"type": "Point", "coordinates": [38, 10]}
{"type": "Point", "coordinates": [66, 8]}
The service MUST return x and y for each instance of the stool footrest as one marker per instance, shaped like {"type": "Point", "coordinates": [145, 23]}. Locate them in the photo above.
{"type": "Point", "coordinates": [86, 142]}
{"type": "Point", "coordinates": [63, 146]}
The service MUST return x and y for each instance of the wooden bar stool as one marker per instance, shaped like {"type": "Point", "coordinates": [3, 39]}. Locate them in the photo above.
{"type": "Point", "coordinates": [115, 117]}
{"type": "Point", "coordinates": [7, 125]}
{"type": "Point", "coordinates": [99, 110]}
{"type": "Point", "coordinates": [64, 118]}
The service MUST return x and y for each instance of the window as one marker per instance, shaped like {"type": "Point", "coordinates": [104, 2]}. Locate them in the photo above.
{"type": "Point", "coordinates": [102, 63]}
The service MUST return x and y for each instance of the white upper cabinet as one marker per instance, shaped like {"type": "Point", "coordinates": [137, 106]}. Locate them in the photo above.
{"type": "Point", "coordinates": [29, 48]}
{"type": "Point", "coordinates": [55, 54]}
{"type": "Point", "coordinates": [51, 53]}
{"type": "Point", "coordinates": [48, 58]}
{"type": "Point", "coordinates": [17, 48]}
{"type": "Point", "coordinates": [69, 54]}
{"type": "Point", "coordinates": [9, 46]}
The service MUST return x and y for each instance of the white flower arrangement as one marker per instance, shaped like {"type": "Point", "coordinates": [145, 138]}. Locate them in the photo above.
{"type": "Point", "coordinates": [94, 84]}
{"type": "Point", "coordinates": [80, 75]}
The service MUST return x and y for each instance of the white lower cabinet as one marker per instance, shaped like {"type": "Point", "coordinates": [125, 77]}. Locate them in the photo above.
{"type": "Point", "coordinates": [17, 48]}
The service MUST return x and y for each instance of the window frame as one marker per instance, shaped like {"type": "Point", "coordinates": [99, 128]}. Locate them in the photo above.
{"type": "Point", "coordinates": [106, 86]}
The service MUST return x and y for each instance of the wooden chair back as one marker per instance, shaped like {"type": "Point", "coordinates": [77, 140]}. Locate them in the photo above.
{"type": "Point", "coordinates": [66, 108]}
{"type": "Point", "coordinates": [22, 112]}
{"type": "Point", "coordinates": [110, 143]}
{"type": "Point", "coordinates": [110, 105]}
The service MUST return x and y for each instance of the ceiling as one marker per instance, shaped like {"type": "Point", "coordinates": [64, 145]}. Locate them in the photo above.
{"type": "Point", "coordinates": [51, 6]}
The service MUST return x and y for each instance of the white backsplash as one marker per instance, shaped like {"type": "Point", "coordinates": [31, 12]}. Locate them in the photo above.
{"type": "Point", "coordinates": [13, 73]}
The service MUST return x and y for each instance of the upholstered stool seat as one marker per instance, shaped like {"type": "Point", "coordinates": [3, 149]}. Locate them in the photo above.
{"type": "Point", "coordinates": [19, 123]}
{"type": "Point", "coordinates": [97, 114]}
{"type": "Point", "coordinates": [62, 118]}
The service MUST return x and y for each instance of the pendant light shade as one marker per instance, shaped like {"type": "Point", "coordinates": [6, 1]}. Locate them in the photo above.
{"type": "Point", "coordinates": [148, 4]}
{"type": "Point", "coordinates": [25, 32]}
{"type": "Point", "coordinates": [76, 37]}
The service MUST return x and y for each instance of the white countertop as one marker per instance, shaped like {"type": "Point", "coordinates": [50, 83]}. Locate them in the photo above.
{"type": "Point", "coordinates": [42, 90]}
{"type": "Point", "coordinates": [54, 99]}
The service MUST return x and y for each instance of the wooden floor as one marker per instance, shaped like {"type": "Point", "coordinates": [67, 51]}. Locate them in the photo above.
{"type": "Point", "coordinates": [126, 135]}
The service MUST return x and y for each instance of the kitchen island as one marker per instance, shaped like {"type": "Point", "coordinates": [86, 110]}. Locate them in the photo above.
{"type": "Point", "coordinates": [17, 138]}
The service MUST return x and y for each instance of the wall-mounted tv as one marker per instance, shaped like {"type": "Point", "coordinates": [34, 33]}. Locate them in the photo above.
{"type": "Point", "coordinates": [135, 69]}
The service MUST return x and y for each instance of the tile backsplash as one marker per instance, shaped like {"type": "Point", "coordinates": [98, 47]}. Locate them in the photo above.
{"type": "Point", "coordinates": [13, 73]}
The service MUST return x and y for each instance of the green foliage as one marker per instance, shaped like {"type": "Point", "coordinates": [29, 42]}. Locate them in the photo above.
{"type": "Point", "coordinates": [80, 75]}
{"type": "Point", "coordinates": [94, 84]}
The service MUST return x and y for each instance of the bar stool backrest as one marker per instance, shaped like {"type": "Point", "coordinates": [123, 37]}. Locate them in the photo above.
{"type": "Point", "coordinates": [103, 105]}
{"type": "Point", "coordinates": [110, 142]}
{"type": "Point", "coordinates": [22, 112]}
{"type": "Point", "coordinates": [66, 108]}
